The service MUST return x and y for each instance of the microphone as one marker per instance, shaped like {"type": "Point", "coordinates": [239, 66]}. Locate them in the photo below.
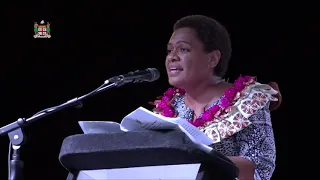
{"type": "Point", "coordinates": [149, 75]}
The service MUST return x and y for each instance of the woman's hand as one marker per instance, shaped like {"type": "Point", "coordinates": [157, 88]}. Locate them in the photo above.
{"type": "Point", "coordinates": [246, 167]}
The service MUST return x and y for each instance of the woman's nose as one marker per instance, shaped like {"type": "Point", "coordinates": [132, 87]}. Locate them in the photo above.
{"type": "Point", "coordinates": [173, 57]}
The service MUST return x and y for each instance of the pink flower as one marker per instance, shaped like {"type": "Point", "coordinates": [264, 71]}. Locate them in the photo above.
{"type": "Point", "coordinates": [239, 84]}
{"type": "Point", "coordinates": [166, 98]}
{"type": "Point", "coordinates": [240, 80]}
{"type": "Point", "coordinates": [162, 104]}
{"type": "Point", "coordinates": [169, 92]}
{"type": "Point", "coordinates": [201, 122]}
{"type": "Point", "coordinates": [207, 116]}
{"type": "Point", "coordinates": [214, 109]}
{"type": "Point", "coordinates": [231, 93]}
{"type": "Point", "coordinates": [225, 102]}
{"type": "Point", "coordinates": [165, 108]}
{"type": "Point", "coordinates": [198, 122]}
{"type": "Point", "coordinates": [248, 78]}
{"type": "Point", "coordinates": [168, 112]}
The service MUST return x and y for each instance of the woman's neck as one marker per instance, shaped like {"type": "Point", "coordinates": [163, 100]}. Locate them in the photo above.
{"type": "Point", "coordinates": [200, 94]}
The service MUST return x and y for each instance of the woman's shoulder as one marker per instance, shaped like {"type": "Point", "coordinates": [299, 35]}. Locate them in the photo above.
{"type": "Point", "coordinates": [246, 89]}
{"type": "Point", "coordinates": [248, 95]}
{"type": "Point", "coordinates": [244, 100]}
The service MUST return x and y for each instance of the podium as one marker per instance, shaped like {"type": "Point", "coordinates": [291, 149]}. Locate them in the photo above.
{"type": "Point", "coordinates": [141, 155]}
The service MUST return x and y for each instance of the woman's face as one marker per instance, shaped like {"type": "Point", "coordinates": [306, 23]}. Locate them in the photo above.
{"type": "Point", "coordinates": [187, 62]}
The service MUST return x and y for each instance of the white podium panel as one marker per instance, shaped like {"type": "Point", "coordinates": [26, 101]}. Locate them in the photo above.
{"type": "Point", "coordinates": [172, 172]}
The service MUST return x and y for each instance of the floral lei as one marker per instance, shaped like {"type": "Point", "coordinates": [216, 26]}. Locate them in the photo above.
{"type": "Point", "coordinates": [213, 114]}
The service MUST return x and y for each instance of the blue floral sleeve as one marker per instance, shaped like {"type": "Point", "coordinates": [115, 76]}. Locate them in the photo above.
{"type": "Point", "coordinates": [256, 143]}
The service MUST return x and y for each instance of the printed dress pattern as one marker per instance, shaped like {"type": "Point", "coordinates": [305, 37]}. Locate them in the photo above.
{"type": "Point", "coordinates": [246, 131]}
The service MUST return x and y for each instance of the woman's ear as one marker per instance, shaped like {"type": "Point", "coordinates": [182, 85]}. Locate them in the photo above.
{"type": "Point", "coordinates": [214, 58]}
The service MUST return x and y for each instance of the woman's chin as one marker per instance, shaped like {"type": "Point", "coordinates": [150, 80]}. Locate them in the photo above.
{"type": "Point", "coordinates": [176, 82]}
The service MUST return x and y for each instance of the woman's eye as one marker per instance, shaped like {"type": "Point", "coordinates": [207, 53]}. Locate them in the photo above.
{"type": "Point", "coordinates": [184, 50]}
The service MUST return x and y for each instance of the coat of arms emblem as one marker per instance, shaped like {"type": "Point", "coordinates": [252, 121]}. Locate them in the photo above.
{"type": "Point", "coordinates": [42, 30]}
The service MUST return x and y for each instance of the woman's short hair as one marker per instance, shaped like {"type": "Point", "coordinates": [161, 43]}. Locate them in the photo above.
{"type": "Point", "coordinates": [213, 36]}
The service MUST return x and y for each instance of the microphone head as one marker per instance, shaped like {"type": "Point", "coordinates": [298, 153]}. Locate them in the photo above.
{"type": "Point", "coordinates": [155, 74]}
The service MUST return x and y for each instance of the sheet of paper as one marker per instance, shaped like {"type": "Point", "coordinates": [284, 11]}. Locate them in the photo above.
{"type": "Point", "coordinates": [143, 119]}
{"type": "Point", "coordinates": [193, 132]}
{"type": "Point", "coordinates": [93, 127]}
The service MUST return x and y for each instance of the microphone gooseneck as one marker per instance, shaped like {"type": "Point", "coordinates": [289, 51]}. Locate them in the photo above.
{"type": "Point", "coordinates": [15, 129]}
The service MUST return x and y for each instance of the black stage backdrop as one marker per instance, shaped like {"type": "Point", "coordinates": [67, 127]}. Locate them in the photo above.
{"type": "Point", "coordinates": [93, 42]}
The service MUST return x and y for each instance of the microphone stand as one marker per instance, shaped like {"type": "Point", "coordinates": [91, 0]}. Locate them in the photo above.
{"type": "Point", "coordinates": [16, 133]}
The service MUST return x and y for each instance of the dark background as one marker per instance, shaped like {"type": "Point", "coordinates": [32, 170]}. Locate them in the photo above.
{"type": "Point", "coordinates": [93, 42]}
